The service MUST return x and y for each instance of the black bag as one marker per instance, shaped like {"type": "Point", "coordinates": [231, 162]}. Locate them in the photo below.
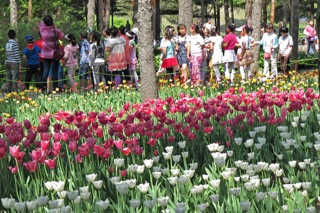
{"type": "Point", "coordinates": [58, 49]}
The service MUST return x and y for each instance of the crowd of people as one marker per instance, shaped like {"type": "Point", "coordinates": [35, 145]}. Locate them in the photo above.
{"type": "Point", "coordinates": [204, 51]}
{"type": "Point", "coordinates": [114, 59]}
{"type": "Point", "coordinates": [100, 60]}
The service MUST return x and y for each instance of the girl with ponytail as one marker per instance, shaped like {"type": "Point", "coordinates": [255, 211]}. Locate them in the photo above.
{"type": "Point", "coordinates": [71, 58]}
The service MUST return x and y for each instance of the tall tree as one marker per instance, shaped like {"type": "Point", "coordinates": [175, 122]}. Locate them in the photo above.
{"type": "Point", "coordinates": [149, 84]}
{"type": "Point", "coordinates": [135, 14]}
{"type": "Point", "coordinates": [256, 34]}
{"type": "Point", "coordinates": [273, 10]}
{"type": "Point", "coordinates": [106, 16]}
{"type": "Point", "coordinates": [226, 13]}
{"type": "Point", "coordinates": [202, 10]}
{"type": "Point", "coordinates": [157, 21]}
{"type": "Point", "coordinates": [249, 12]}
{"type": "Point", "coordinates": [295, 29]}
{"type": "Point", "coordinates": [186, 13]}
{"type": "Point", "coordinates": [29, 10]}
{"type": "Point", "coordinates": [100, 15]}
{"type": "Point", "coordinates": [232, 11]}
{"type": "Point", "coordinates": [13, 13]}
{"type": "Point", "coordinates": [90, 14]}
{"type": "Point", "coordinates": [265, 12]}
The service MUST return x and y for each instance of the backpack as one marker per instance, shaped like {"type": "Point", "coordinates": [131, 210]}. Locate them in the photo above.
{"type": "Point", "coordinates": [99, 52]}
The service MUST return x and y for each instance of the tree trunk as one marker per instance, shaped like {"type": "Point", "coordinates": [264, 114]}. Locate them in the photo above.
{"type": "Point", "coordinates": [218, 15]}
{"type": "Point", "coordinates": [158, 21]}
{"type": "Point", "coordinates": [13, 14]}
{"type": "Point", "coordinates": [285, 13]}
{"type": "Point", "coordinates": [232, 12]}
{"type": "Point", "coordinates": [106, 16]}
{"type": "Point", "coordinates": [29, 10]}
{"type": "Point", "coordinates": [265, 13]}
{"type": "Point", "coordinates": [226, 13]}
{"type": "Point", "coordinates": [90, 14]}
{"type": "Point", "coordinates": [100, 15]}
{"type": "Point", "coordinates": [186, 13]}
{"type": "Point", "coordinates": [249, 12]}
{"type": "Point", "coordinates": [214, 12]}
{"type": "Point", "coordinates": [202, 11]}
{"type": "Point", "coordinates": [295, 30]}
{"type": "Point", "coordinates": [256, 24]}
{"type": "Point", "coordinates": [149, 83]}
{"type": "Point", "coordinates": [312, 9]}
{"type": "Point", "coordinates": [272, 12]}
{"type": "Point", "coordinates": [135, 14]}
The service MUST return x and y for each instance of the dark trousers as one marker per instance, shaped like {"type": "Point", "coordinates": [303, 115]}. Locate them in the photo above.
{"type": "Point", "coordinates": [284, 61]}
{"type": "Point", "coordinates": [33, 70]}
{"type": "Point", "coordinates": [47, 63]}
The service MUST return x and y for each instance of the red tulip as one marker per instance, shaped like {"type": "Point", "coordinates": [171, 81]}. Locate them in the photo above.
{"type": "Point", "coordinates": [99, 150]}
{"type": "Point", "coordinates": [27, 124]}
{"type": "Point", "coordinates": [31, 166]}
{"type": "Point", "coordinates": [10, 120]}
{"type": "Point", "coordinates": [118, 144]}
{"type": "Point", "coordinates": [155, 152]}
{"type": "Point", "coordinates": [72, 146]}
{"type": "Point", "coordinates": [45, 144]}
{"type": "Point", "coordinates": [123, 173]}
{"type": "Point", "coordinates": [152, 142]}
{"type": "Point", "coordinates": [13, 169]}
{"type": "Point", "coordinates": [79, 158]}
{"type": "Point", "coordinates": [99, 132]}
{"type": "Point", "coordinates": [51, 163]}
{"type": "Point", "coordinates": [111, 169]}
{"type": "Point", "coordinates": [126, 151]}
{"type": "Point", "coordinates": [65, 136]}
{"type": "Point", "coordinates": [3, 152]}
{"type": "Point", "coordinates": [84, 150]}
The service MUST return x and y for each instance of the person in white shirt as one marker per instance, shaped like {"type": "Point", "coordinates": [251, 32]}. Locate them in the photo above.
{"type": "Point", "coordinates": [217, 54]}
{"type": "Point", "coordinates": [285, 48]}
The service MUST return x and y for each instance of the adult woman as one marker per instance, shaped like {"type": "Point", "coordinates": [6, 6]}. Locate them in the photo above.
{"type": "Point", "coordinates": [310, 34]}
{"type": "Point", "coordinates": [117, 55]}
{"type": "Point", "coordinates": [50, 35]}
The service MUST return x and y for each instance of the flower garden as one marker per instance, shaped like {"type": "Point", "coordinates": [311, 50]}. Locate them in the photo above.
{"type": "Point", "coordinates": [250, 147]}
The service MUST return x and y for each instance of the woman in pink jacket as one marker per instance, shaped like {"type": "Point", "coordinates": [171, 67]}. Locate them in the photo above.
{"type": "Point", "coordinates": [50, 36]}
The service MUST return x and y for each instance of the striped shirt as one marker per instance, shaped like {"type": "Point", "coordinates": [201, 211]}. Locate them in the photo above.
{"type": "Point", "coordinates": [12, 52]}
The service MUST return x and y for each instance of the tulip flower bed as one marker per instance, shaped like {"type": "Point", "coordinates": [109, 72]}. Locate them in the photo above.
{"type": "Point", "coordinates": [230, 151]}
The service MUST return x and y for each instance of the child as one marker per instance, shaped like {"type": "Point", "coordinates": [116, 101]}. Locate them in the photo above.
{"type": "Point", "coordinates": [195, 54]}
{"type": "Point", "coordinates": [229, 58]}
{"type": "Point", "coordinates": [217, 54]}
{"type": "Point", "coordinates": [84, 60]}
{"type": "Point", "coordinates": [207, 60]}
{"type": "Point", "coordinates": [183, 41]}
{"type": "Point", "coordinates": [71, 58]}
{"type": "Point", "coordinates": [97, 59]}
{"type": "Point", "coordinates": [310, 34]}
{"type": "Point", "coordinates": [12, 62]}
{"type": "Point", "coordinates": [269, 42]}
{"type": "Point", "coordinates": [246, 56]}
{"type": "Point", "coordinates": [133, 58]}
{"type": "Point", "coordinates": [285, 48]}
{"type": "Point", "coordinates": [31, 55]}
{"type": "Point", "coordinates": [170, 62]}
{"type": "Point", "coordinates": [107, 37]}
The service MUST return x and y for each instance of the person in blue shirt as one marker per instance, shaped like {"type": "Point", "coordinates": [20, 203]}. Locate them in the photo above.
{"type": "Point", "coordinates": [31, 56]}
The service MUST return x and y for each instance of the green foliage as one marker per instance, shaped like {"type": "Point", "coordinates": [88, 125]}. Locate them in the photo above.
{"type": "Point", "coordinates": [118, 21]}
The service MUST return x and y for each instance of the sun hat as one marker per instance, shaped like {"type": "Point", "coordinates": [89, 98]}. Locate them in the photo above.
{"type": "Point", "coordinates": [29, 39]}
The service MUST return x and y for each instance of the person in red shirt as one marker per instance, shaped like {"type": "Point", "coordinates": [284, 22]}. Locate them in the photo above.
{"type": "Point", "coordinates": [39, 44]}
{"type": "Point", "coordinates": [123, 35]}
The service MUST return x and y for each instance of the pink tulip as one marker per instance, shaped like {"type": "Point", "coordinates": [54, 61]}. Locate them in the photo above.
{"type": "Point", "coordinates": [51, 163]}
{"type": "Point", "coordinates": [31, 166]}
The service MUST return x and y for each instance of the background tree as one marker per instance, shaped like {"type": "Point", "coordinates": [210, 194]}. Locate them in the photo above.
{"type": "Point", "coordinates": [226, 12]}
{"type": "Point", "coordinates": [249, 12]}
{"type": "Point", "coordinates": [90, 14]}
{"type": "Point", "coordinates": [295, 30]}
{"type": "Point", "coordinates": [186, 13]}
{"type": "Point", "coordinates": [149, 83]}
{"type": "Point", "coordinates": [256, 34]}
{"type": "Point", "coordinates": [272, 12]}
{"type": "Point", "coordinates": [106, 16]}
{"type": "Point", "coordinates": [13, 13]}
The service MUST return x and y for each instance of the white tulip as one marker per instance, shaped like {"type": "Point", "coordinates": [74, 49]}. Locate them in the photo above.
{"type": "Point", "coordinates": [202, 207]}
{"type": "Point", "coordinates": [303, 138]}
{"type": "Point", "coordinates": [215, 183]}
{"type": "Point", "coordinates": [165, 171]}
{"type": "Point", "coordinates": [132, 168]}
{"type": "Point", "coordinates": [103, 204]}
{"type": "Point", "coordinates": [57, 210]}
{"type": "Point", "coordinates": [297, 185]}
{"type": "Point", "coordinates": [189, 173]}
{"type": "Point", "coordinates": [230, 153]}
{"type": "Point", "coordinates": [84, 189]}
{"type": "Point", "coordinates": [185, 154]}
{"type": "Point", "coordinates": [54, 204]}
{"type": "Point", "coordinates": [303, 125]}
{"type": "Point", "coordinates": [148, 163]}
{"type": "Point", "coordinates": [279, 172]}
{"type": "Point", "coordinates": [262, 140]}
{"type": "Point", "coordinates": [156, 175]}
{"type": "Point", "coordinates": [183, 179]}
{"type": "Point", "coordinates": [263, 128]}
{"type": "Point", "coordinates": [286, 180]}
{"type": "Point", "coordinates": [193, 166]}
{"type": "Point", "coordinates": [288, 187]}
{"type": "Point", "coordinates": [73, 195]}
{"type": "Point", "coordinates": [163, 201]}
{"type": "Point", "coordinates": [302, 165]}
{"type": "Point", "coordinates": [274, 167]}
{"type": "Point", "coordinates": [311, 209]}
{"type": "Point", "coordinates": [175, 172]}
{"type": "Point", "coordinates": [114, 180]}
{"type": "Point", "coordinates": [235, 191]}
{"type": "Point", "coordinates": [65, 209]}
{"type": "Point", "coordinates": [156, 159]}
{"type": "Point", "coordinates": [42, 200]}
{"type": "Point", "coordinates": [248, 143]}
{"type": "Point", "coordinates": [296, 211]}
{"type": "Point", "coordinates": [62, 194]}
{"type": "Point", "coordinates": [245, 177]}
{"type": "Point", "coordinates": [182, 144]}
{"type": "Point", "coordinates": [304, 193]}
{"type": "Point", "coordinates": [266, 182]}
{"type": "Point", "coordinates": [32, 205]}
{"type": "Point", "coordinates": [258, 146]}
{"type": "Point", "coordinates": [306, 185]}
{"type": "Point", "coordinates": [131, 183]}
{"type": "Point", "coordinates": [122, 188]}
{"type": "Point", "coordinates": [205, 177]}
{"type": "Point", "coordinates": [250, 186]}
{"type": "Point", "coordinates": [143, 187]}
{"type": "Point", "coordinates": [8, 203]}
{"type": "Point", "coordinates": [292, 163]}
{"type": "Point", "coordinates": [245, 206]}
{"type": "Point", "coordinates": [221, 148]}
{"type": "Point", "coordinates": [85, 195]}
{"type": "Point", "coordinates": [285, 208]}
{"type": "Point", "coordinates": [294, 124]}
{"type": "Point", "coordinates": [19, 206]}
{"type": "Point", "coordinates": [135, 203]}
{"type": "Point", "coordinates": [118, 162]}
{"type": "Point", "coordinates": [260, 196]}
{"type": "Point", "coordinates": [180, 208]}
{"type": "Point", "coordinates": [273, 194]}
{"type": "Point", "coordinates": [176, 158]}
{"type": "Point", "coordinates": [49, 185]}
{"type": "Point", "coordinates": [237, 179]}
{"type": "Point", "coordinates": [91, 177]}
{"type": "Point", "coordinates": [238, 141]}
{"type": "Point", "coordinates": [252, 134]}
{"type": "Point", "coordinates": [250, 155]}
{"type": "Point", "coordinates": [149, 204]}
{"type": "Point", "coordinates": [173, 180]}
{"type": "Point", "coordinates": [220, 162]}
{"type": "Point", "coordinates": [250, 172]}
{"type": "Point", "coordinates": [169, 149]}
{"type": "Point", "coordinates": [214, 198]}
{"type": "Point", "coordinates": [140, 169]}
{"type": "Point", "coordinates": [213, 147]}
{"type": "Point", "coordinates": [58, 186]}
{"type": "Point", "coordinates": [166, 156]}
{"type": "Point", "coordinates": [97, 184]}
